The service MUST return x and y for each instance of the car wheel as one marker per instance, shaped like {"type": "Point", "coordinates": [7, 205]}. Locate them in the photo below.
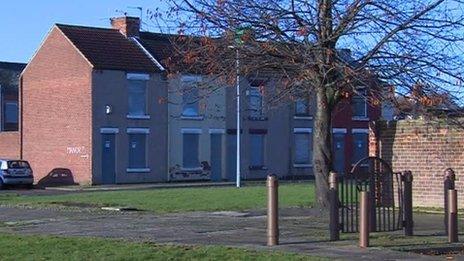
{"type": "Point", "coordinates": [30, 186]}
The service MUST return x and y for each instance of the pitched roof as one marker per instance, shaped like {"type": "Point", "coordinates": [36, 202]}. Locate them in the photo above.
{"type": "Point", "coordinates": [159, 45]}
{"type": "Point", "coordinates": [16, 67]}
{"type": "Point", "coordinates": [108, 49]}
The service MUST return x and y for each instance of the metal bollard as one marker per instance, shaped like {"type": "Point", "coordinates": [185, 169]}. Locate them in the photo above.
{"type": "Point", "coordinates": [364, 220]}
{"type": "Point", "coordinates": [449, 178]}
{"type": "Point", "coordinates": [452, 216]}
{"type": "Point", "coordinates": [334, 225]}
{"type": "Point", "coordinates": [408, 215]}
{"type": "Point", "coordinates": [272, 211]}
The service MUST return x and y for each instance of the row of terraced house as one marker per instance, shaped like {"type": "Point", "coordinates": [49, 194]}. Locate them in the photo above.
{"type": "Point", "coordinates": [92, 110]}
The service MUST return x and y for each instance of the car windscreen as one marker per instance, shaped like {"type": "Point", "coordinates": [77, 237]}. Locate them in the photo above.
{"type": "Point", "coordinates": [18, 164]}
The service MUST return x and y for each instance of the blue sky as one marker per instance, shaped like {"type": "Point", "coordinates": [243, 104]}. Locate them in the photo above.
{"type": "Point", "coordinates": [25, 23]}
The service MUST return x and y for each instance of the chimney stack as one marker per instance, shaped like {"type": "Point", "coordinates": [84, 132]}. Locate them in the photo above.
{"type": "Point", "coordinates": [128, 26]}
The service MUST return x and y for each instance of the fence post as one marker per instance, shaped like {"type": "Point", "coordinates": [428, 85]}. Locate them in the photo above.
{"type": "Point", "coordinates": [364, 220]}
{"type": "Point", "coordinates": [272, 210]}
{"type": "Point", "coordinates": [334, 223]}
{"type": "Point", "coordinates": [408, 216]}
{"type": "Point", "coordinates": [452, 216]}
{"type": "Point", "coordinates": [449, 178]}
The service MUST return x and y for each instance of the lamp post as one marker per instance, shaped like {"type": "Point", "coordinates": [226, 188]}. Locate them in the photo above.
{"type": "Point", "coordinates": [237, 86]}
{"type": "Point", "coordinates": [237, 65]}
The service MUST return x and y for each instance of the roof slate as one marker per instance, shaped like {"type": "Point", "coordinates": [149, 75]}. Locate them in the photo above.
{"type": "Point", "coordinates": [9, 66]}
{"type": "Point", "coordinates": [108, 49]}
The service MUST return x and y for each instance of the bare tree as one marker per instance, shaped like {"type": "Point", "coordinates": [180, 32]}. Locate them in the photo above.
{"type": "Point", "coordinates": [400, 43]}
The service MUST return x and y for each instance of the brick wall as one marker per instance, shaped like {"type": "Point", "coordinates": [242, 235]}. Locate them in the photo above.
{"type": "Point", "coordinates": [9, 145]}
{"type": "Point", "coordinates": [56, 111]}
{"type": "Point", "coordinates": [427, 149]}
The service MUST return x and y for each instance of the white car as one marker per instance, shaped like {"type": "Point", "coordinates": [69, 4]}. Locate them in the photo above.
{"type": "Point", "coordinates": [15, 172]}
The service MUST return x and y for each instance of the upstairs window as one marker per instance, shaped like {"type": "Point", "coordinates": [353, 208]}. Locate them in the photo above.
{"type": "Point", "coordinates": [190, 97]}
{"type": "Point", "coordinates": [302, 107]}
{"type": "Point", "coordinates": [359, 104]}
{"type": "Point", "coordinates": [137, 98]}
{"type": "Point", "coordinates": [255, 101]}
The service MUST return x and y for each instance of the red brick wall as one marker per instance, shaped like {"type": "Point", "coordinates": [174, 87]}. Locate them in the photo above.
{"type": "Point", "coordinates": [56, 110]}
{"type": "Point", "coordinates": [427, 149]}
{"type": "Point", "coordinates": [9, 145]}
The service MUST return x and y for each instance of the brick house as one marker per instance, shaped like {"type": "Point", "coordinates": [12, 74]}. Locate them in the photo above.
{"type": "Point", "coordinates": [94, 111]}
{"type": "Point", "coordinates": [90, 107]}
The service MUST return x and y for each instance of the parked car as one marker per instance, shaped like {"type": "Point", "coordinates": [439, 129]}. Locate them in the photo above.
{"type": "Point", "coordinates": [15, 172]}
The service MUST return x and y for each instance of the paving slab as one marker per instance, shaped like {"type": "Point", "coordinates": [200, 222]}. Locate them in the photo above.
{"type": "Point", "coordinates": [303, 230]}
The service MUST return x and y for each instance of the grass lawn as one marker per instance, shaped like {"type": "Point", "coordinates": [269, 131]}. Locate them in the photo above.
{"type": "Point", "coordinates": [178, 199]}
{"type": "Point", "coordinates": [16, 247]}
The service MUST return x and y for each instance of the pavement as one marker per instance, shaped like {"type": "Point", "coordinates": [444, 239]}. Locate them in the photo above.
{"type": "Point", "coordinates": [302, 230]}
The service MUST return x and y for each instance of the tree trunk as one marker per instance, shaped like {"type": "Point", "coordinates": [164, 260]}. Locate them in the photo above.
{"type": "Point", "coordinates": [322, 147]}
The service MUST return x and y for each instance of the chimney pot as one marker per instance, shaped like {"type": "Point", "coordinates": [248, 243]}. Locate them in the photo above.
{"type": "Point", "coordinates": [128, 26]}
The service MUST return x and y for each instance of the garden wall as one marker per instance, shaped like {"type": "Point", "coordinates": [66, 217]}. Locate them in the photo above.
{"type": "Point", "coordinates": [426, 148]}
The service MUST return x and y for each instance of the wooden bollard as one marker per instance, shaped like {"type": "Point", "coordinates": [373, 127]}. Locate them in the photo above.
{"type": "Point", "coordinates": [452, 216]}
{"type": "Point", "coordinates": [272, 210]}
{"type": "Point", "coordinates": [364, 220]}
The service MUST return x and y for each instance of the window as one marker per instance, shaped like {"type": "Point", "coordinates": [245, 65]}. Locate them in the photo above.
{"type": "Point", "coordinates": [302, 107]}
{"type": "Point", "coordinates": [190, 97]}
{"type": "Point", "coordinates": [257, 150]}
{"type": "Point", "coordinates": [190, 149]}
{"type": "Point", "coordinates": [11, 112]}
{"type": "Point", "coordinates": [359, 104]}
{"type": "Point", "coordinates": [255, 102]}
{"type": "Point", "coordinates": [303, 147]}
{"type": "Point", "coordinates": [137, 149]}
{"type": "Point", "coordinates": [360, 141]}
{"type": "Point", "coordinates": [137, 98]}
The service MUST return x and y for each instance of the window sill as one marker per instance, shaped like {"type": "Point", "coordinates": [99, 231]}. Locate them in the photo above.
{"type": "Point", "coordinates": [360, 118]}
{"type": "Point", "coordinates": [257, 167]}
{"type": "Point", "coordinates": [138, 170]}
{"type": "Point", "coordinates": [138, 117]}
{"type": "Point", "coordinates": [302, 166]}
{"type": "Point", "coordinates": [191, 169]}
{"type": "Point", "coordinates": [257, 118]}
{"type": "Point", "coordinates": [360, 165]}
{"type": "Point", "coordinates": [193, 118]}
{"type": "Point", "coordinates": [302, 117]}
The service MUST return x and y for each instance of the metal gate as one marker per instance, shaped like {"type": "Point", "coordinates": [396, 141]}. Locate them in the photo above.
{"type": "Point", "coordinates": [386, 196]}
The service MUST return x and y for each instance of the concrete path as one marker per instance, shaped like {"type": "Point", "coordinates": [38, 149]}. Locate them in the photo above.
{"type": "Point", "coordinates": [302, 230]}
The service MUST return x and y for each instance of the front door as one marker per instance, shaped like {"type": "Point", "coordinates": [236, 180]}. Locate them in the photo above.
{"type": "Point", "coordinates": [216, 157]}
{"type": "Point", "coordinates": [339, 152]}
{"type": "Point", "coordinates": [108, 159]}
